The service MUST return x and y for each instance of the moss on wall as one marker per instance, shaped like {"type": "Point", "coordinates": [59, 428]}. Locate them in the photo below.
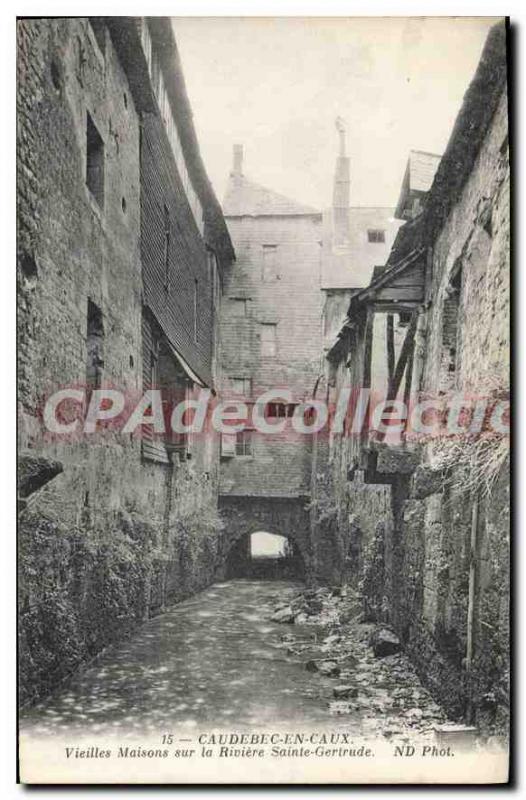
{"type": "Point", "coordinates": [84, 587]}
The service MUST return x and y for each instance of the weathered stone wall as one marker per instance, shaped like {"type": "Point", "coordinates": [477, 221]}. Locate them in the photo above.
{"type": "Point", "coordinates": [111, 539]}
{"type": "Point", "coordinates": [416, 558]}
{"type": "Point", "coordinates": [437, 528]}
{"type": "Point", "coordinates": [69, 248]}
{"type": "Point", "coordinates": [475, 238]}
{"type": "Point", "coordinates": [427, 546]}
{"type": "Point", "coordinates": [352, 523]}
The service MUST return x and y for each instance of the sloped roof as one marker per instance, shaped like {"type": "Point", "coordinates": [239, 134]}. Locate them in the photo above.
{"type": "Point", "coordinates": [125, 33]}
{"type": "Point", "coordinates": [422, 169]}
{"type": "Point", "coordinates": [246, 198]}
{"type": "Point", "coordinates": [418, 179]}
{"type": "Point", "coordinates": [386, 276]}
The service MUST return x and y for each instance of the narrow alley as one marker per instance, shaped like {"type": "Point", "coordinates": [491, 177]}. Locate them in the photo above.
{"type": "Point", "coordinates": [264, 401]}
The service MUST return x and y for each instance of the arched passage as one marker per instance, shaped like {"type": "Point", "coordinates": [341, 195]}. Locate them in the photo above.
{"type": "Point", "coordinates": [266, 556]}
{"type": "Point", "coordinates": [245, 517]}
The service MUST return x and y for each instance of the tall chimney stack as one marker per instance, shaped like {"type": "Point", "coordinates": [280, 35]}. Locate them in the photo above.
{"type": "Point", "coordinates": [341, 192]}
{"type": "Point", "coordinates": [237, 165]}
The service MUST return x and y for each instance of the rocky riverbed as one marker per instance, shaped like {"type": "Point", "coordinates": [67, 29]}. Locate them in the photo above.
{"type": "Point", "coordinates": [356, 667]}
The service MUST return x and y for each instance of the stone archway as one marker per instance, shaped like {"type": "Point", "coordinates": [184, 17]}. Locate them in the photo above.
{"type": "Point", "coordinates": [243, 516]}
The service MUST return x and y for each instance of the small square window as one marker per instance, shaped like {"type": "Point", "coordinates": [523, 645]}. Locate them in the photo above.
{"type": "Point", "coordinates": [244, 443]}
{"type": "Point", "coordinates": [241, 386]}
{"type": "Point", "coordinates": [239, 306]}
{"type": "Point", "coordinates": [376, 236]}
{"type": "Point", "coordinates": [277, 410]}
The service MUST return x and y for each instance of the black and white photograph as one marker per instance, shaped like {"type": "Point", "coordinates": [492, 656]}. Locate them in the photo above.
{"type": "Point", "coordinates": [263, 399]}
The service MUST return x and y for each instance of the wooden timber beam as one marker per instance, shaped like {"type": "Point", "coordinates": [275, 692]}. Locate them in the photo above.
{"type": "Point", "coordinates": [368, 349]}
{"type": "Point", "coordinates": [409, 377]}
{"type": "Point", "coordinates": [390, 346]}
{"type": "Point", "coordinates": [385, 307]}
{"type": "Point", "coordinates": [403, 358]}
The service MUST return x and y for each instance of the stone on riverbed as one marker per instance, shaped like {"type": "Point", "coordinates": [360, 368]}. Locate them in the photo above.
{"type": "Point", "coordinates": [339, 707]}
{"type": "Point", "coordinates": [333, 639]}
{"type": "Point", "coordinates": [328, 668]}
{"type": "Point", "coordinates": [344, 692]}
{"type": "Point", "coordinates": [384, 642]}
{"type": "Point", "coordinates": [314, 606]}
{"type": "Point", "coordinates": [283, 615]}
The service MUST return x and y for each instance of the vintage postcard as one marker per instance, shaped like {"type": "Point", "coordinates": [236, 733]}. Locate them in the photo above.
{"type": "Point", "coordinates": [263, 270]}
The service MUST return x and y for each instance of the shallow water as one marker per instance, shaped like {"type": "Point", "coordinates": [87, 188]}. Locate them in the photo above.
{"type": "Point", "coordinates": [212, 661]}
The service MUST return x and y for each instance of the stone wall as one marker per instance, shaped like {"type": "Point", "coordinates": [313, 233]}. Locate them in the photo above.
{"type": "Point", "coordinates": [473, 248]}
{"type": "Point", "coordinates": [475, 240]}
{"type": "Point", "coordinates": [430, 537]}
{"type": "Point", "coordinates": [112, 538]}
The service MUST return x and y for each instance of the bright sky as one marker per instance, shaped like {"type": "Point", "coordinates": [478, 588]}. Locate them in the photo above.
{"type": "Point", "coordinates": [276, 85]}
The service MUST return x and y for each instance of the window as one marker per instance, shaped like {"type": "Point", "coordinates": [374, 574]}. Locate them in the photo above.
{"type": "Point", "coordinates": [241, 386]}
{"type": "Point", "coordinates": [376, 236]}
{"type": "Point", "coordinates": [236, 444]}
{"type": "Point", "coordinates": [94, 161]}
{"type": "Point", "coordinates": [166, 248]}
{"type": "Point", "coordinates": [239, 306]}
{"type": "Point", "coordinates": [99, 31]}
{"type": "Point", "coordinates": [268, 339]}
{"type": "Point", "coordinates": [80, 60]}
{"type": "Point", "coordinates": [94, 342]}
{"type": "Point", "coordinates": [244, 443]}
{"type": "Point", "coordinates": [269, 270]}
{"type": "Point", "coordinates": [177, 443]}
{"type": "Point", "coordinates": [228, 445]}
{"type": "Point", "coordinates": [163, 373]}
{"type": "Point", "coordinates": [404, 318]}
{"type": "Point", "coordinates": [279, 410]}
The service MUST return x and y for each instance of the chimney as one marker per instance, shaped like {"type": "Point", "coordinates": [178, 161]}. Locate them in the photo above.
{"type": "Point", "coordinates": [341, 192]}
{"type": "Point", "coordinates": [237, 165]}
